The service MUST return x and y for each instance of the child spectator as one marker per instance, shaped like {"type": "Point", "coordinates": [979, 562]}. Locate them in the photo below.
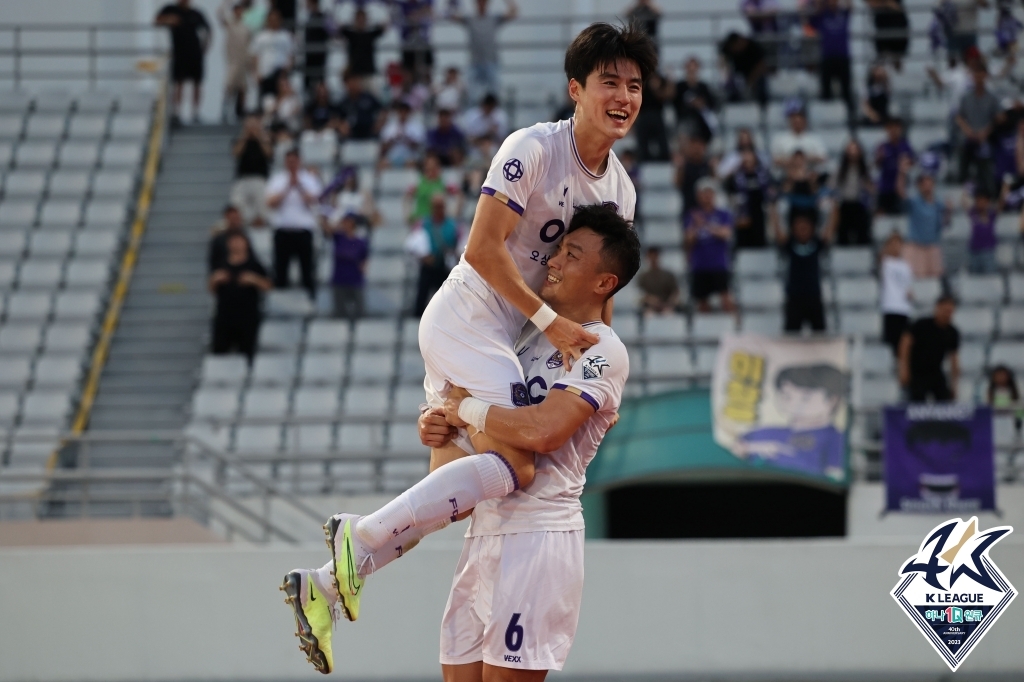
{"type": "Point", "coordinates": [983, 234]}
{"type": "Point", "coordinates": [1003, 394]}
{"type": "Point", "coordinates": [850, 218]}
{"type": "Point", "coordinates": [896, 282]}
{"type": "Point", "coordinates": [927, 217]}
{"type": "Point", "coordinates": [348, 279]}
{"type": "Point", "coordinates": [875, 107]}
{"type": "Point", "coordinates": [660, 287]}
{"type": "Point", "coordinates": [888, 157]}
{"type": "Point", "coordinates": [446, 141]}
{"type": "Point", "coordinates": [402, 138]}
{"type": "Point", "coordinates": [238, 283]}
{"type": "Point", "coordinates": [750, 189]}
{"type": "Point", "coordinates": [708, 234]}
{"type": "Point", "coordinates": [803, 276]}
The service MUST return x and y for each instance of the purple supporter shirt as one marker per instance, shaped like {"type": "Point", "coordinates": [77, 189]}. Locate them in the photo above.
{"type": "Point", "coordinates": [709, 253]}
{"type": "Point", "coordinates": [983, 230]}
{"type": "Point", "coordinates": [834, 29]}
{"type": "Point", "coordinates": [349, 255]}
{"type": "Point", "coordinates": [887, 158]}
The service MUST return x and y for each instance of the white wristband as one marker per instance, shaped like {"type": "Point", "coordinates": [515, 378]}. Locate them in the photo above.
{"type": "Point", "coordinates": [473, 411]}
{"type": "Point", "coordinates": [543, 317]}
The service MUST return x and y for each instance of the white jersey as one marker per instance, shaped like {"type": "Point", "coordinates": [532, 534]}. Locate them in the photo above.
{"type": "Point", "coordinates": [552, 501]}
{"type": "Point", "coordinates": [538, 173]}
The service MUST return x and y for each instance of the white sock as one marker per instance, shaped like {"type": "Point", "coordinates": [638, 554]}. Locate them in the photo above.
{"type": "Point", "coordinates": [400, 547]}
{"type": "Point", "coordinates": [325, 581]}
{"type": "Point", "coordinates": [448, 491]}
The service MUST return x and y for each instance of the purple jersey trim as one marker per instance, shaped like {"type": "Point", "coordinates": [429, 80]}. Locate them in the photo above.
{"type": "Point", "coordinates": [503, 198]}
{"type": "Point", "coordinates": [511, 470]}
{"type": "Point", "coordinates": [581, 393]}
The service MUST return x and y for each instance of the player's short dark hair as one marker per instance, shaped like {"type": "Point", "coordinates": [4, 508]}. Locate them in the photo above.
{"type": "Point", "coordinates": [620, 250]}
{"type": "Point", "coordinates": [601, 44]}
{"type": "Point", "coordinates": [821, 376]}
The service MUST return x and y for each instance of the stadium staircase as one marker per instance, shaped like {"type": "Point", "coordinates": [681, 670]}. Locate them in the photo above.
{"type": "Point", "coordinates": [159, 343]}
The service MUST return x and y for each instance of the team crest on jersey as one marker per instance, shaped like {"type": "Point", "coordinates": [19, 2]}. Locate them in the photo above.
{"type": "Point", "coordinates": [594, 366]}
{"type": "Point", "coordinates": [952, 590]}
{"type": "Point", "coordinates": [555, 360]}
{"type": "Point", "coordinates": [520, 395]}
{"type": "Point", "coordinates": [513, 170]}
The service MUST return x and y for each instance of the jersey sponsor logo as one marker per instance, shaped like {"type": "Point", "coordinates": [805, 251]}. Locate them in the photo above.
{"type": "Point", "coordinates": [520, 394]}
{"type": "Point", "coordinates": [555, 360]}
{"type": "Point", "coordinates": [513, 170]}
{"type": "Point", "coordinates": [509, 658]}
{"type": "Point", "coordinates": [952, 590]}
{"type": "Point", "coordinates": [594, 366]}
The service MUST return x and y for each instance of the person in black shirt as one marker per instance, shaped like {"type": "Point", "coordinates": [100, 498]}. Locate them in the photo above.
{"type": "Point", "coordinates": [253, 152]}
{"type": "Point", "coordinates": [320, 113]}
{"type": "Point", "coordinates": [746, 59]}
{"type": "Point", "coordinates": [315, 39]}
{"type": "Point", "coordinates": [647, 15]}
{"type": "Point", "coordinates": [694, 103]}
{"type": "Point", "coordinates": [228, 226]}
{"type": "Point", "coordinates": [751, 187]}
{"type": "Point", "coordinates": [362, 39]}
{"type": "Point", "coordinates": [803, 277]}
{"type": "Point", "coordinates": [190, 38]}
{"type": "Point", "coordinates": [288, 10]}
{"type": "Point", "coordinates": [238, 285]}
{"type": "Point", "coordinates": [923, 349]}
{"type": "Point", "coordinates": [362, 114]}
{"type": "Point", "coordinates": [691, 166]}
{"type": "Point", "coordinates": [875, 107]}
{"type": "Point", "coordinates": [651, 136]}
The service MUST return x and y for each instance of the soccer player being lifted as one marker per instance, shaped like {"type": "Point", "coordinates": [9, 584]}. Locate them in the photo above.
{"type": "Point", "coordinates": [469, 330]}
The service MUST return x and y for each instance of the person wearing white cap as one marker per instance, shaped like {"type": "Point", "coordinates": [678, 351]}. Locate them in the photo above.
{"type": "Point", "coordinates": [708, 235]}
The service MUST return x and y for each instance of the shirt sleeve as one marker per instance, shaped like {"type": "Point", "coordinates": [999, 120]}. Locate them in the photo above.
{"type": "Point", "coordinates": [599, 376]}
{"type": "Point", "coordinates": [515, 170]}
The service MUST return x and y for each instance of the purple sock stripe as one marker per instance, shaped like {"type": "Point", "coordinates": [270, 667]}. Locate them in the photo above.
{"type": "Point", "coordinates": [515, 479]}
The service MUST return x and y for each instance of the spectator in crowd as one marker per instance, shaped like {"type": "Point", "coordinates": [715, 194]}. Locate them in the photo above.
{"type": "Point", "coordinates": [253, 151]}
{"type": "Point", "coordinates": [647, 15]}
{"type": "Point", "coordinates": [923, 349]}
{"type": "Point", "coordinates": [293, 195]}
{"type": "Point", "coordinates": [348, 278]}
{"type": "Point", "coordinates": [803, 248]}
{"type": "Point", "coordinates": [730, 161]}
{"type": "Point", "coordinates": [707, 237]}
{"type": "Point", "coordinates": [315, 42]}
{"type": "Point", "coordinates": [785, 143]}
{"type": "Point", "coordinates": [1010, 165]}
{"type": "Point", "coordinates": [451, 92]}
{"type": "Point", "coordinates": [632, 167]}
{"type": "Point", "coordinates": [695, 104]}
{"type": "Point", "coordinates": [748, 66]}
{"type": "Point", "coordinates": [230, 223]}
{"type": "Point", "coordinates": [892, 30]}
{"type": "Point", "coordinates": [889, 156]}
{"type": "Point", "coordinates": [283, 111]}
{"type": "Point", "coordinates": [963, 27]}
{"type": "Point", "coordinates": [927, 218]}
{"type": "Point", "coordinates": [802, 190]}
{"type": "Point", "coordinates": [320, 113]}
{"type": "Point", "coordinates": [361, 115]}
{"type": "Point", "coordinates": [751, 188]}
{"type": "Point", "coordinates": [446, 141]}
{"type": "Point", "coordinates": [659, 288]}
{"type": "Point", "coordinates": [955, 79]}
{"type": "Point", "coordinates": [651, 134]}
{"type": "Point", "coordinates": [236, 57]}
{"type": "Point", "coordinates": [482, 29]}
{"type": "Point", "coordinates": [977, 116]}
{"type": "Point", "coordinates": [874, 108]}
{"type": "Point", "coordinates": [273, 50]}
{"type": "Point", "coordinates": [486, 123]}
{"type": "Point", "coordinates": [419, 197]}
{"type": "Point", "coordinates": [1008, 29]}
{"type": "Point", "coordinates": [411, 91]}
{"type": "Point", "coordinates": [190, 38]}
{"type": "Point", "coordinates": [289, 12]}
{"type": "Point", "coordinates": [344, 197]}
{"type": "Point", "coordinates": [1002, 394]}
{"type": "Point", "coordinates": [361, 44]}
{"type": "Point", "coordinates": [762, 15]}
{"type": "Point", "coordinates": [414, 20]}
{"type": "Point", "coordinates": [982, 215]}
{"type": "Point", "coordinates": [402, 138]}
{"type": "Point", "coordinates": [853, 188]}
{"type": "Point", "coordinates": [254, 15]}
{"type": "Point", "coordinates": [832, 22]}
{"type": "Point", "coordinates": [433, 244]}
{"type": "Point", "coordinates": [690, 167]}
{"type": "Point", "coordinates": [897, 280]}
{"type": "Point", "coordinates": [238, 283]}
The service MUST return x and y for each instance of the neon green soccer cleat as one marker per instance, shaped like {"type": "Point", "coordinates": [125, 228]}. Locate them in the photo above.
{"type": "Point", "coordinates": [344, 546]}
{"type": "Point", "coordinates": [314, 618]}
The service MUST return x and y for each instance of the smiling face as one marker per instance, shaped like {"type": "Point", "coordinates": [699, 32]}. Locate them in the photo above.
{"type": "Point", "coordinates": [577, 273]}
{"type": "Point", "coordinates": [611, 99]}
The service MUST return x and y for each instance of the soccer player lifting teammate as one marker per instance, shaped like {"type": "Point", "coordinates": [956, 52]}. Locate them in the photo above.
{"type": "Point", "coordinates": [468, 332]}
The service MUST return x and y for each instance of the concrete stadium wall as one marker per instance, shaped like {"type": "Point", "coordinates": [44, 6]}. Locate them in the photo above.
{"type": "Point", "coordinates": [786, 608]}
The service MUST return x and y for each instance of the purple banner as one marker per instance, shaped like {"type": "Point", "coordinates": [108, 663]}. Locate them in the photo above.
{"type": "Point", "coordinates": [939, 458]}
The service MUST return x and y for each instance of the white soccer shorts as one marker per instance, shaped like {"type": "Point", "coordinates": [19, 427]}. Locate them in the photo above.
{"type": "Point", "coordinates": [464, 343]}
{"type": "Point", "coordinates": [515, 600]}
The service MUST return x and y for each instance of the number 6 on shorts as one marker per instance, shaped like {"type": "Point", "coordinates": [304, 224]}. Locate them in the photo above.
{"type": "Point", "coordinates": [514, 633]}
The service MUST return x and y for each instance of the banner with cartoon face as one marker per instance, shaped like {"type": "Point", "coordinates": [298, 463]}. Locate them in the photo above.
{"type": "Point", "coordinates": [783, 402]}
{"type": "Point", "coordinates": [939, 458]}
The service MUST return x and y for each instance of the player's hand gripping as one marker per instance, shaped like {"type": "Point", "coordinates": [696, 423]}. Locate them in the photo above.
{"type": "Point", "coordinates": [570, 338]}
{"type": "Point", "coordinates": [451, 406]}
{"type": "Point", "coordinates": [435, 431]}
